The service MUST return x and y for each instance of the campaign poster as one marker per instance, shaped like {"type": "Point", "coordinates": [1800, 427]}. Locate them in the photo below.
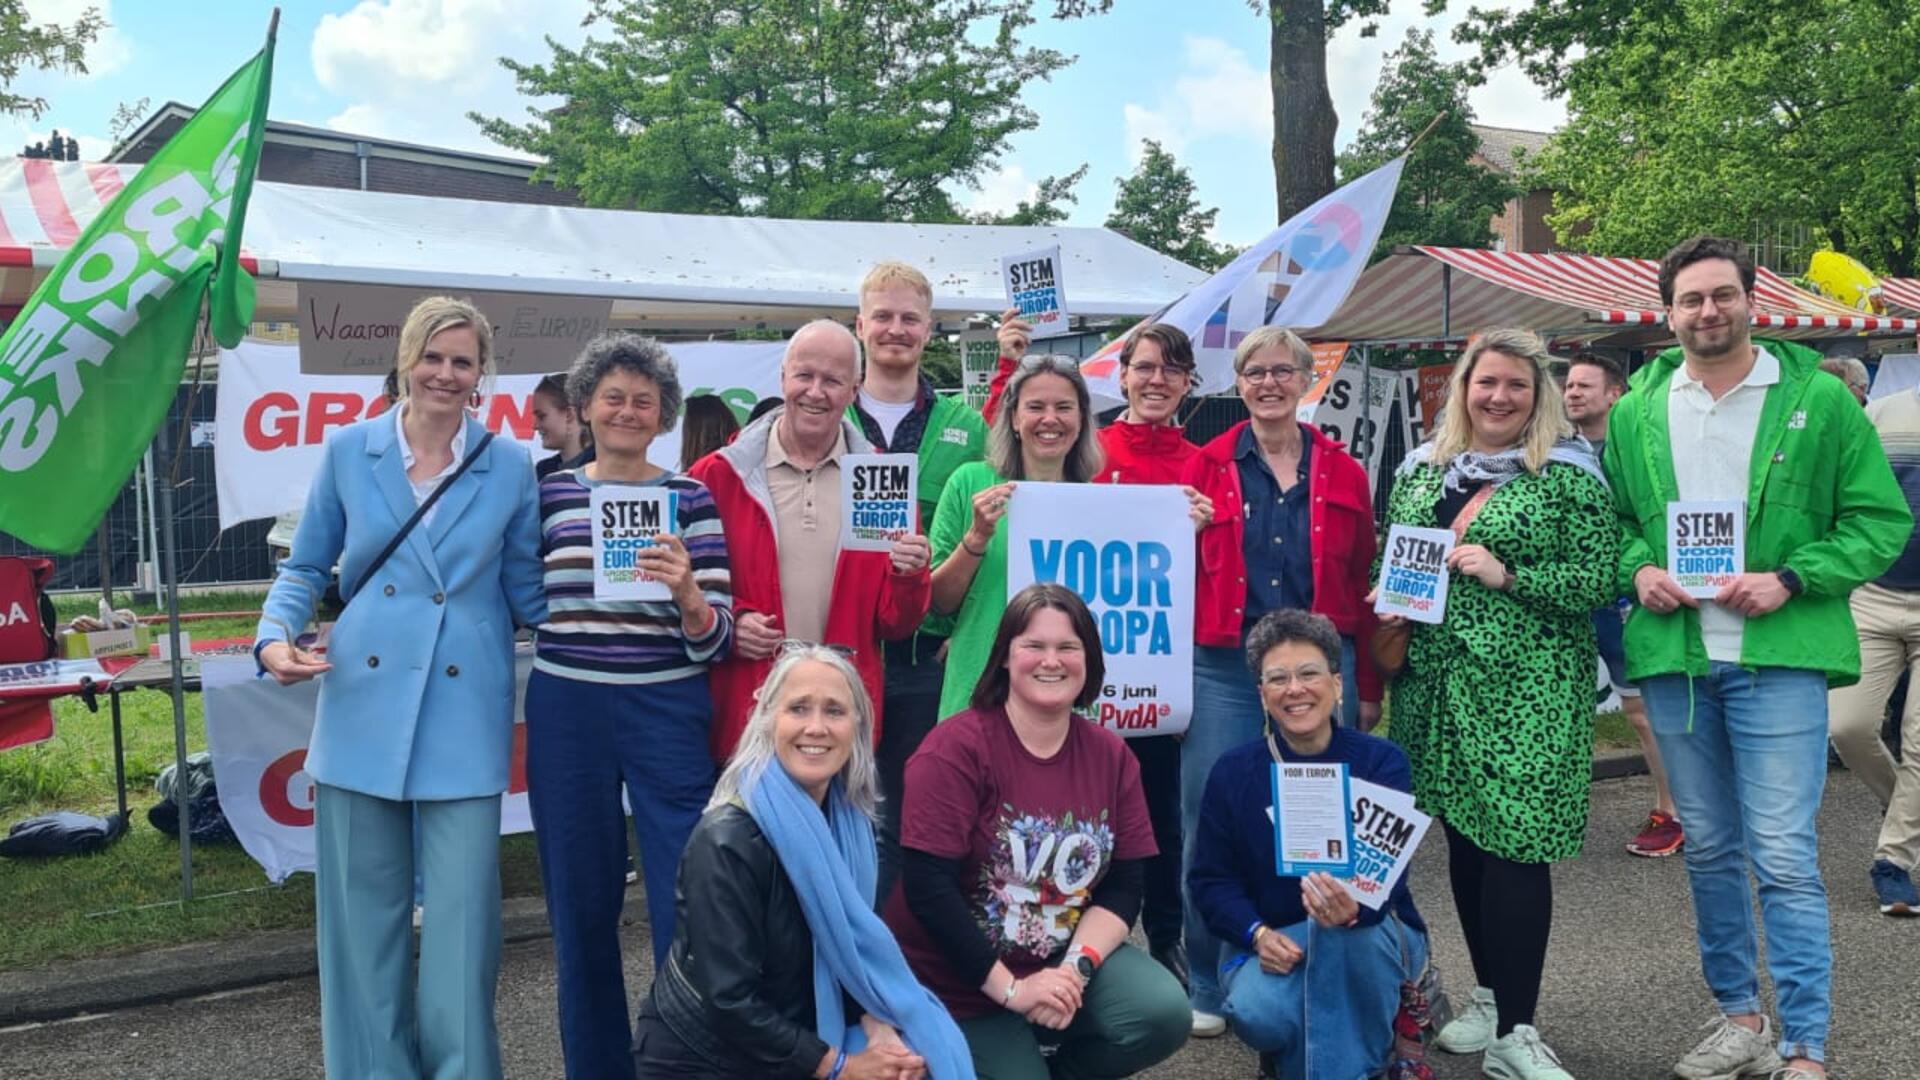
{"type": "Point", "coordinates": [1387, 830]}
{"type": "Point", "coordinates": [1413, 574]}
{"type": "Point", "coordinates": [877, 501]}
{"type": "Point", "coordinates": [1706, 544]}
{"type": "Point", "coordinates": [1312, 821]}
{"type": "Point", "coordinates": [1035, 286]}
{"type": "Point", "coordinates": [627, 519]}
{"type": "Point", "coordinates": [1128, 550]}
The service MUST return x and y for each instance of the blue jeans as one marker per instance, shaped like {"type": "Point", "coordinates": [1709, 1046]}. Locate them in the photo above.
{"type": "Point", "coordinates": [584, 741]}
{"type": "Point", "coordinates": [1226, 713]}
{"type": "Point", "coordinates": [1746, 753]}
{"type": "Point", "coordinates": [1331, 1017]}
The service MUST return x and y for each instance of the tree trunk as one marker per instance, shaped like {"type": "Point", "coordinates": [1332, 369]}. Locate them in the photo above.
{"type": "Point", "coordinates": [1303, 116]}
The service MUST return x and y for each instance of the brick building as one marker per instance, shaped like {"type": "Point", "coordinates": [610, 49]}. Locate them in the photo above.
{"type": "Point", "coordinates": [1522, 225]}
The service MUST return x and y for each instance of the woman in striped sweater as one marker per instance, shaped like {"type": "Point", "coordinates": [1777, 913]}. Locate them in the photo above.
{"type": "Point", "coordinates": [619, 695]}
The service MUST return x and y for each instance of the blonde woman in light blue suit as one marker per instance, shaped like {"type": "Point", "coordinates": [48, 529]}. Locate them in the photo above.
{"type": "Point", "coordinates": [416, 710]}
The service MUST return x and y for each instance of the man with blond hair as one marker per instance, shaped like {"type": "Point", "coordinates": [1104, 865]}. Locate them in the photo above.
{"type": "Point", "coordinates": [899, 412]}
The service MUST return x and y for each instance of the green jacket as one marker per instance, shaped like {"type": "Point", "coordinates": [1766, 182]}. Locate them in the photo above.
{"type": "Point", "coordinates": [1821, 501]}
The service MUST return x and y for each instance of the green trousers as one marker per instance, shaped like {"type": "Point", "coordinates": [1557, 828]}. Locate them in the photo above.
{"type": "Point", "coordinates": [1133, 1017]}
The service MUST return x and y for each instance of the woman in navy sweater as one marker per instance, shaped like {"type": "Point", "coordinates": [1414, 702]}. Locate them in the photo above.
{"type": "Point", "coordinates": [1312, 978]}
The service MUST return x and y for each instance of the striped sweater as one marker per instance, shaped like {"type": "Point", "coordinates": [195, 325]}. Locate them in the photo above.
{"type": "Point", "coordinates": [626, 641]}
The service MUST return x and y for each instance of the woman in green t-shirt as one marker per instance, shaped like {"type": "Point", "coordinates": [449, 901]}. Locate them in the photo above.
{"type": "Point", "coordinates": [1044, 430]}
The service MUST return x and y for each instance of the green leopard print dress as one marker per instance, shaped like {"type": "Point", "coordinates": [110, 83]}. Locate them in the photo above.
{"type": "Point", "coordinates": [1495, 705]}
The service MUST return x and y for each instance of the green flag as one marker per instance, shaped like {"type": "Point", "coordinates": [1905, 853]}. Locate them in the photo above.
{"type": "Point", "coordinates": [89, 367]}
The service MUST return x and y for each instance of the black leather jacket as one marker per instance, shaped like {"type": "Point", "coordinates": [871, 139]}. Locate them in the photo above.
{"type": "Point", "coordinates": [737, 986]}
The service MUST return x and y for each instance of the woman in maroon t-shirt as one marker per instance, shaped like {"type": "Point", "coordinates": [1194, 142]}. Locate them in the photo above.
{"type": "Point", "coordinates": [1023, 838]}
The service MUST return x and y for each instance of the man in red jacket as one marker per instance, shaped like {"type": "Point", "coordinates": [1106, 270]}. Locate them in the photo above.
{"type": "Point", "coordinates": [777, 486]}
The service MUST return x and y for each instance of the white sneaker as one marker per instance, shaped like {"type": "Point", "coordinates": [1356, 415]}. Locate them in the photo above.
{"type": "Point", "coordinates": [1472, 1027]}
{"type": "Point", "coordinates": [1730, 1052]}
{"type": "Point", "coordinates": [1208, 1025]}
{"type": "Point", "coordinates": [1522, 1055]}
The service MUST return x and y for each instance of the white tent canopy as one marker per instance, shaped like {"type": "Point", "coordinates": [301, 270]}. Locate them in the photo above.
{"type": "Point", "coordinates": [663, 270]}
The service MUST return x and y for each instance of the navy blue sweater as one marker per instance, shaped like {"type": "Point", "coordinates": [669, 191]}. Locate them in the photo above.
{"type": "Point", "coordinates": [1233, 880]}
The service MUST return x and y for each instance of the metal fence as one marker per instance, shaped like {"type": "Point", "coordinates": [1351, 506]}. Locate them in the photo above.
{"type": "Point", "coordinates": [207, 555]}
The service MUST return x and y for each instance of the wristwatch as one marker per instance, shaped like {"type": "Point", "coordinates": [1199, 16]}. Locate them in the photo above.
{"type": "Point", "coordinates": [1080, 961]}
{"type": "Point", "coordinates": [1791, 580]}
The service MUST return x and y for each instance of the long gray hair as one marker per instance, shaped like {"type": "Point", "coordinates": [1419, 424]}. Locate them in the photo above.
{"type": "Point", "coordinates": [756, 751]}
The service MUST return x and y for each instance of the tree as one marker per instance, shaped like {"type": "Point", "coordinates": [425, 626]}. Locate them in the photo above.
{"type": "Point", "coordinates": [40, 47]}
{"type": "Point", "coordinates": [1725, 115]}
{"type": "Point", "coordinates": [1156, 206]}
{"type": "Point", "coordinates": [1048, 206]}
{"type": "Point", "coordinates": [1445, 197]}
{"type": "Point", "coordinates": [1304, 120]}
{"type": "Point", "coordinates": [836, 109]}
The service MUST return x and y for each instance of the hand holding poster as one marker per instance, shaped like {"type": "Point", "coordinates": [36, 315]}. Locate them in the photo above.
{"type": "Point", "coordinates": [1413, 573]}
{"type": "Point", "coordinates": [1034, 286]}
{"type": "Point", "coordinates": [626, 519]}
{"type": "Point", "coordinates": [877, 500]}
{"type": "Point", "coordinates": [1387, 830]}
{"type": "Point", "coordinates": [1706, 545]}
{"type": "Point", "coordinates": [1128, 550]}
{"type": "Point", "coordinates": [1312, 822]}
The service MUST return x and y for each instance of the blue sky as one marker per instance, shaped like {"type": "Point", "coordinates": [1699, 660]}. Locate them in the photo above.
{"type": "Point", "coordinates": [410, 69]}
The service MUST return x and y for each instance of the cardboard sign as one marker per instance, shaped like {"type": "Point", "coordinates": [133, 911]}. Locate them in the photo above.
{"type": "Point", "coordinates": [626, 520]}
{"type": "Point", "coordinates": [355, 329]}
{"type": "Point", "coordinates": [1128, 550]}
{"type": "Point", "coordinates": [1387, 830]}
{"type": "Point", "coordinates": [1413, 573]}
{"type": "Point", "coordinates": [1035, 286]}
{"type": "Point", "coordinates": [1312, 820]}
{"type": "Point", "coordinates": [877, 501]}
{"type": "Point", "coordinates": [1706, 545]}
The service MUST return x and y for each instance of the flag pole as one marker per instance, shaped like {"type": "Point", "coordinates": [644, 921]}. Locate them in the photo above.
{"type": "Point", "coordinates": [170, 571]}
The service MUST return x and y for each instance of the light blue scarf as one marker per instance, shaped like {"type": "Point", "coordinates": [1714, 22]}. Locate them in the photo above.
{"type": "Point", "coordinates": [830, 860]}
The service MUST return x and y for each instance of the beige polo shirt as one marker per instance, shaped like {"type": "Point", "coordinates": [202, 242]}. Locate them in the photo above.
{"type": "Point", "coordinates": [806, 528]}
{"type": "Point", "coordinates": [1712, 446]}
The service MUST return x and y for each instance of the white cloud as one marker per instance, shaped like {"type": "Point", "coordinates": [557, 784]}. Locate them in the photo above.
{"type": "Point", "coordinates": [108, 52]}
{"type": "Point", "coordinates": [412, 69]}
{"type": "Point", "coordinates": [19, 133]}
{"type": "Point", "coordinates": [1219, 92]}
{"type": "Point", "coordinates": [1002, 191]}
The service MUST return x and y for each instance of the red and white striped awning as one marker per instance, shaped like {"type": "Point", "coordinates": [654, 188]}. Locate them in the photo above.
{"type": "Point", "coordinates": [45, 204]}
{"type": "Point", "coordinates": [1901, 295]}
{"type": "Point", "coordinates": [1432, 293]}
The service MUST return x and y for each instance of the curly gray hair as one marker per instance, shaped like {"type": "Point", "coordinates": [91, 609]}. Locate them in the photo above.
{"type": "Point", "coordinates": [634, 353]}
{"type": "Point", "coordinates": [1286, 626]}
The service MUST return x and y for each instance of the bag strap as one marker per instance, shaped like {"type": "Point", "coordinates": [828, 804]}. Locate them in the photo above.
{"type": "Point", "coordinates": [420, 511]}
{"type": "Point", "coordinates": [1470, 511]}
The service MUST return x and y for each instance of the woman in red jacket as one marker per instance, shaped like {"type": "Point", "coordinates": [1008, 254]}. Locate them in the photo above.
{"type": "Point", "coordinates": [1292, 528]}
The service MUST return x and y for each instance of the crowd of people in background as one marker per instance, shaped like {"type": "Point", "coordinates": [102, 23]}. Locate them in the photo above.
{"type": "Point", "coordinates": [879, 837]}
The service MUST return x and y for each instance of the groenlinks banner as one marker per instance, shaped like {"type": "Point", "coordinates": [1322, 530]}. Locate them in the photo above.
{"type": "Point", "coordinates": [88, 367]}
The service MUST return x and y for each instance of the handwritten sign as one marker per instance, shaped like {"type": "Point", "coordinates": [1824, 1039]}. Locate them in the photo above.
{"type": "Point", "coordinates": [355, 329]}
{"type": "Point", "coordinates": [1312, 825]}
{"type": "Point", "coordinates": [627, 519]}
{"type": "Point", "coordinates": [877, 500]}
{"type": "Point", "coordinates": [1127, 549]}
{"type": "Point", "coordinates": [1706, 544]}
{"type": "Point", "coordinates": [1034, 286]}
{"type": "Point", "coordinates": [1413, 574]}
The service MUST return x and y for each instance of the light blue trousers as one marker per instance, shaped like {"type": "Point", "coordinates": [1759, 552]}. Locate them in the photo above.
{"type": "Point", "coordinates": [1331, 1017]}
{"type": "Point", "coordinates": [377, 1021]}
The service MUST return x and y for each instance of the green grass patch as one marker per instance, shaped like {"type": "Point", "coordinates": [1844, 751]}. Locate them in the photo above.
{"type": "Point", "coordinates": [51, 904]}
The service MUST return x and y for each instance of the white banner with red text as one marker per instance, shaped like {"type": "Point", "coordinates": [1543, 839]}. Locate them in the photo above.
{"type": "Point", "coordinates": [257, 732]}
{"type": "Point", "coordinates": [271, 420]}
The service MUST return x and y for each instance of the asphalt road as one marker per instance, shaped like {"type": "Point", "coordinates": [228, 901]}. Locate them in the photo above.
{"type": "Point", "coordinates": [1623, 995]}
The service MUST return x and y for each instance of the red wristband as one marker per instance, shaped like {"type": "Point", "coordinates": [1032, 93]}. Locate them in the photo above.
{"type": "Point", "coordinates": [1092, 953]}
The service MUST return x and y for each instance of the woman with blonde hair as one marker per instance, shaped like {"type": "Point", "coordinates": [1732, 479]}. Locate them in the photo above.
{"type": "Point", "coordinates": [435, 527]}
{"type": "Point", "coordinates": [1494, 705]}
{"type": "Point", "coordinates": [779, 967]}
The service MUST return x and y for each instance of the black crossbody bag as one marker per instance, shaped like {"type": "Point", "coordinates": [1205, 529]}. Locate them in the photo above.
{"type": "Point", "coordinates": [420, 511]}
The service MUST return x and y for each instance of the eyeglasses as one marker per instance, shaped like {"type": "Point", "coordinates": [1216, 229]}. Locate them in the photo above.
{"type": "Point", "coordinates": [1722, 298]}
{"type": "Point", "coordinates": [1279, 372]}
{"type": "Point", "coordinates": [789, 646]}
{"type": "Point", "coordinates": [1166, 371]}
{"type": "Point", "coordinates": [1281, 678]}
{"type": "Point", "coordinates": [1058, 363]}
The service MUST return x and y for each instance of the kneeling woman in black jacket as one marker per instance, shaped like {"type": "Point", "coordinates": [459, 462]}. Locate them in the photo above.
{"type": "Point", "coordinates": [779, 966]}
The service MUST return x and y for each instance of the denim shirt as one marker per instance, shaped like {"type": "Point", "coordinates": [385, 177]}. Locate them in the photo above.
{"type": "Point", "coordinates": [1278, 542]}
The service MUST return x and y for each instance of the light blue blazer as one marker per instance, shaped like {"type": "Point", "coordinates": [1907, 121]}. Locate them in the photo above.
{"type": "Point", "coordinates": [419, 701]}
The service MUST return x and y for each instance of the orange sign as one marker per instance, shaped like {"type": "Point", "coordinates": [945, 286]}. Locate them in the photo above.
{"type": "Point", "coordinates": [1326, 360]}
{"type": "Point", "coordinates": [1433, 393]}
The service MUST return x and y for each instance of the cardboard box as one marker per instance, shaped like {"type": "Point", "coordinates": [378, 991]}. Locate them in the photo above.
{"type": "Point", "coordinates": [133, 641]}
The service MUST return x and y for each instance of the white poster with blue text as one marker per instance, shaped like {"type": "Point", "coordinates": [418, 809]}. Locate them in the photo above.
{"type": "Point", "coordinates": [1128, 551]}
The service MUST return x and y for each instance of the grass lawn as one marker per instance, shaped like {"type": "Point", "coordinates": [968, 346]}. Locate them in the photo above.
{"type": "Point", "coordinates": [53, 905]}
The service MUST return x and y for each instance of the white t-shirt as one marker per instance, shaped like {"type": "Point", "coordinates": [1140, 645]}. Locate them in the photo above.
{"type": "Point", "coordinates": [888, 413]}
{"type": "Point", "coordinates": [424, 488]}
{"type": "Point", "coordinates": [1712, 447]}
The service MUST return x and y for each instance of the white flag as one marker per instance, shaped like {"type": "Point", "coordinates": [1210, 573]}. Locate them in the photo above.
{"type": "Point", "coordinates": [1297, 276]}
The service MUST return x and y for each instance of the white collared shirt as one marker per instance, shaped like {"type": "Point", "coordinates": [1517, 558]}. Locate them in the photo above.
{"type": "Point", "coordinates": [424, 488]}
{"type": "Point", "coordinates": [1712, 447]}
